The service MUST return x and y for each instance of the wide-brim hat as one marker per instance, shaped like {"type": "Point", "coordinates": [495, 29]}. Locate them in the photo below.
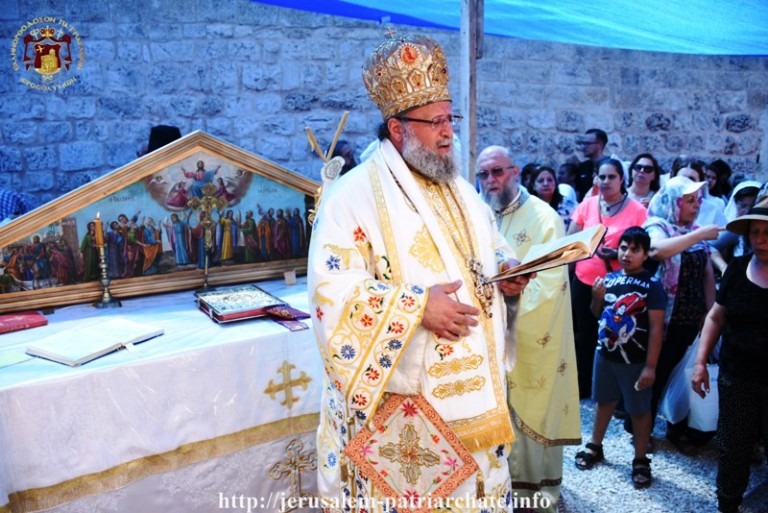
{"type": "Point", "coordinates": [693, 187]}
{"type": "Point", "coordinates": [759, 212]}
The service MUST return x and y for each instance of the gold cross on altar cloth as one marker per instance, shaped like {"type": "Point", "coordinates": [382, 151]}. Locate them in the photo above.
{"type": "Point", "coordinates": [287, 385]}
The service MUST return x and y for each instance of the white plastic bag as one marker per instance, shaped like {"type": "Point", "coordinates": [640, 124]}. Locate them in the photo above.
{"type": "Point", "coordinates": [703, 412]}
{"type": "Point", "coordinates": [675, 401]}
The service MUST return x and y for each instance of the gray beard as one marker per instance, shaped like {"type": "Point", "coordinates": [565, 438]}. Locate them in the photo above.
{"type": "Point", "coordinates": [441, 169]}
{"type": "Point", "coordinates": [499, 201]}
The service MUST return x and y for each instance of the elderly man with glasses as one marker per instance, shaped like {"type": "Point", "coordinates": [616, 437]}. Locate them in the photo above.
{"type": "Point", "coordinates": [412, 334]}
{"type": "Point", "coordinates": [542, 388]}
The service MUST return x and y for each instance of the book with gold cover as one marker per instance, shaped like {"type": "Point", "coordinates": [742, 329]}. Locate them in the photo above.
{"type": "Point", "coordinates": [237, 303]}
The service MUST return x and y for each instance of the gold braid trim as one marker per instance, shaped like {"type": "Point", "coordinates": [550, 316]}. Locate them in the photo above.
{"type": "Point", "coordinates": [533, 435]}
{"type": "Point", "coordinates": [494, 430]}
{"type": "Point", "coordinates": [387, 232]}
{"type": "Point", "coordinates": [121, 475]}
{"type": "Point", "coordinates": [537, 487]}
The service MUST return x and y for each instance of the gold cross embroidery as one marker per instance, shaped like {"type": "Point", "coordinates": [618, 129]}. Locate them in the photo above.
{"type": "Point", "coordinates": [287, 385]}
{"type": "Point", "coordinates": [409, 454]}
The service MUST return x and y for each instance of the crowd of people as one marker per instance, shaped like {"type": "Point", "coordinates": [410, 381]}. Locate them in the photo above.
{"type": "Point", "coordinates": [445, 382]}
{"type": "Point", "coordinates": [399, 268]}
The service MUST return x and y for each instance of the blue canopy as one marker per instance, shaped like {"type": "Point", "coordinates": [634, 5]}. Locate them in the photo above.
{"type": "Point", "coordinates": [705, 27]}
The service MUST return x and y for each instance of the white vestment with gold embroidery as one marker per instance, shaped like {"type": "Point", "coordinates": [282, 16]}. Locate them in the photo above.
{"type": "Point", "coordinates": [376, 247]}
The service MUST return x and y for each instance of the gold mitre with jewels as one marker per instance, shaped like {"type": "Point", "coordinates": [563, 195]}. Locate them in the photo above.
{"type": "Point", "coordinates": [406, 72]}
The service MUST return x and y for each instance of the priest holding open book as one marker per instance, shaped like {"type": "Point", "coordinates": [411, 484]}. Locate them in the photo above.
{"type": "Point", "coordinates": [542, 388]}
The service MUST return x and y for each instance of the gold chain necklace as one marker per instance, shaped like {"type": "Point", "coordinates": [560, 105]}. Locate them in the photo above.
{"type": "Point", "coordinates": [483, 290]}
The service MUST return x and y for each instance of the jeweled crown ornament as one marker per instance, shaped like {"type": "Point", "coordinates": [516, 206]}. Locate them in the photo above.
{"type": "Point", "coordinates": [406, 72]}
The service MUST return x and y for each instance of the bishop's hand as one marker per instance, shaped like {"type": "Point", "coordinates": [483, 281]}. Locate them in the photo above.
{"type": "Point", "coordinates": [446, 317]}
{"type": "Point", "coordinates": [515, 285]}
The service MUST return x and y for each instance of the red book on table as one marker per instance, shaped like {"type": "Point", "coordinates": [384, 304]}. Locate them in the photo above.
{"type": "Point", "coordinates": [21, 321]}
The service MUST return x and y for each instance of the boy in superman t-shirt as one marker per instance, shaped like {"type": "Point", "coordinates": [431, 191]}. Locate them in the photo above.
{"type": "Point", "coordinates": [630, 305]}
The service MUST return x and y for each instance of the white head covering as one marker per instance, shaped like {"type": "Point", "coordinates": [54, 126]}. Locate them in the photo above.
{"type": "Point", "coordinates": [730, 208]}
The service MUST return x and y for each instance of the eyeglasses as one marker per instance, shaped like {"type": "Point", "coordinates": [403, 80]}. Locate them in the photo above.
{"type": "Point", "coordinates": [453, 119]}
{"type": "Point", "coordinates": [644, 169]}
{"type": "Point", "coordinates": [497, 172]}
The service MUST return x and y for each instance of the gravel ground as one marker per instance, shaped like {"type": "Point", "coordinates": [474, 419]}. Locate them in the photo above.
{"type": "Point", "coordinates": [680, 483]}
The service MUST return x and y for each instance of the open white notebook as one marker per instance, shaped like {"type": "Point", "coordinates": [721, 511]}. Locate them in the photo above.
{"type": "Point", "coordinates": [76, 347]}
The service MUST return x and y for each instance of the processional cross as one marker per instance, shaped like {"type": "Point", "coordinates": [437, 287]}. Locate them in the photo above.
{"type": "Point", "coordinates": [207, 204]}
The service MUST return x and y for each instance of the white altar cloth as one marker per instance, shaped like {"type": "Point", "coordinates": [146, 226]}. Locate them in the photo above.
{"type": "Point", "coordinates": [200, 390]}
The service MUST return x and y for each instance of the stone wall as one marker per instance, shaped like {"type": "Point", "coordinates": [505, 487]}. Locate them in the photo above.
{"type": "Point", "coordinates": [256, 75]}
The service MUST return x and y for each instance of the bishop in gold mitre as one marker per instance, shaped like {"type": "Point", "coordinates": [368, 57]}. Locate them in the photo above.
{"type": "Point", "coordinates": [399, 257]}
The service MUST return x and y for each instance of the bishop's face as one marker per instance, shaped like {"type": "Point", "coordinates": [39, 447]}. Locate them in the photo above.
{"type": "Point", "coordinates": [424, 137]}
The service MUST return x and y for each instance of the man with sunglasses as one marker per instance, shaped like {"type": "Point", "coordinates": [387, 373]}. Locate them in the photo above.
{"type": "Point", "coordinates": [542, 388]}
{"type": "Point", "coordinates": [592, 144]}
{"type": "Point", "coordinates": [400, 253]}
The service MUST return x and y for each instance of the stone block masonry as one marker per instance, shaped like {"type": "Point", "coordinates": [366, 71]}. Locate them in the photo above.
{"type": "Point", "coordinates": [256, 75]}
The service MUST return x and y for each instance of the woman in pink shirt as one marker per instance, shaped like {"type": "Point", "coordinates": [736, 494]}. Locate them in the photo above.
{"type": "Point", "coordinates": [614, 209]}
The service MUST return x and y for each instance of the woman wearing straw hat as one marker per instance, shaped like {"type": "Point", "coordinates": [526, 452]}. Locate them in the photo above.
{"type": "Point", "coordinates": [739, 315]}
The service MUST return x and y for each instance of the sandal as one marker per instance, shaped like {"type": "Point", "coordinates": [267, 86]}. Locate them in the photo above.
{"type": "Point", "coordinates": [586, 460]}
{"type": "Point", "coordinates": [641, 473]}
{"type": "Point", "coordinates": [683, 444]}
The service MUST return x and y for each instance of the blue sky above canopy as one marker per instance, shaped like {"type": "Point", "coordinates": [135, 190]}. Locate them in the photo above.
{"type": "Point", "coordinates": [706, 27]}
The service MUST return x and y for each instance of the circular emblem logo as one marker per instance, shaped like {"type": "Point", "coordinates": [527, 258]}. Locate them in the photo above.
{"type": "Point", "coordinates": [46, 53]}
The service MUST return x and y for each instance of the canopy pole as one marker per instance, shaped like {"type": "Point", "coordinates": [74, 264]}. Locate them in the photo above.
{"type": "Point", "coordinates": [471, 51]}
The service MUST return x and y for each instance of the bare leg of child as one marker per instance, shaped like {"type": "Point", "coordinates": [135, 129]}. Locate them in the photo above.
{"type": "Point", "coordinates": [641, 425]}
{"type": "Point", "coordinates": [603, 416]}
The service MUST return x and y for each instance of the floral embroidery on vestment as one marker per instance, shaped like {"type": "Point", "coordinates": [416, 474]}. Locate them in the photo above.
{"type": "Point", "coordinates": [425, 251]}
{"type": "Point", "coordinates": [460, 387]}
{"type": "Point", "coordinates": [455, 366]}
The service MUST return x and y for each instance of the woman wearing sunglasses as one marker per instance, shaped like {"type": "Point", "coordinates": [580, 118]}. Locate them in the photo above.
{"type": "Point", "coordinates": [643, 178]}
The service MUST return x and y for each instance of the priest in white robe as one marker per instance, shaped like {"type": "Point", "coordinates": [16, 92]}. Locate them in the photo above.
{"type": "Point", "coordinates": [400, 251]}
{"type": "Point", "coordinates": [543, 388]}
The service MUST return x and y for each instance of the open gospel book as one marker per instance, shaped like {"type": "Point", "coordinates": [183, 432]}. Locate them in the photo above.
{"type": "Point", "coordinates": [568, 249]}
{"type": "Point", "coordinates": [78, 346]}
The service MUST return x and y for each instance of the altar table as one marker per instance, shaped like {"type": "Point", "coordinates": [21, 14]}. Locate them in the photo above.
{"type": "Point", "coordinates": [206, 417]}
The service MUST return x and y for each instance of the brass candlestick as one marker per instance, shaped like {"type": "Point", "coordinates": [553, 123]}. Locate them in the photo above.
{"type": "Point", "coordinates": [107, 301]}
{"type": "Point", "coordinates": [207, 204]}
